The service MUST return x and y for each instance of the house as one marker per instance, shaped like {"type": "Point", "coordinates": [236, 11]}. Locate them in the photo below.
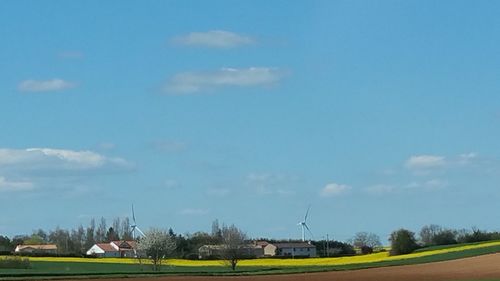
{"type": "Point", "coordinates": [251, 251]}
{"type": "Point", "coordinates": [268, 248]}
{"type": "Point", "coordinates": [114, 249]}
{"type": "Point", "coordinates": [38, 249]}
{"type": "Point", "coordinates": [297, 249]}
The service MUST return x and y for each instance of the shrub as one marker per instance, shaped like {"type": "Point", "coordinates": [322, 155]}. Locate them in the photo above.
{"type": "Point", "coordinates": [403, 242]}
{"type": "Point", "coordinates": [366, 250]}
{"type": "Point", "coordinates": [15, 262]}
{"type": "Point", "coordinates": [445, 237]}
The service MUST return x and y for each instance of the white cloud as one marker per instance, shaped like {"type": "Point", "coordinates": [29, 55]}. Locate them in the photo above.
{"type": "Point", "coordinates": [433, 184]}
{"type": "Point", "coordinates": [425, 162]}
{"type": "Point", "coordinates": [45, 85]}
{"type": "Point", "coordinates": [57, 159]}
{"type": "Point", "coordinates": [194, 212]}
{"type": "Point", "coordinates": [192, 82]}
{"type": "Point", "coordinates": [334, 189]}
{"type": "Point", "coordinates": [466, 158]}
{"type": "Point", "coordinates": [213, 39]}
{"type": "Point", "coordinates": [7, 185]}
{"type": "Point", "coordinates": [272, 183]}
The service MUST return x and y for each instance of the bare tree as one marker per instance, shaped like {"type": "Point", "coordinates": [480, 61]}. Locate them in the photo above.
{"type": "Point", "coordinates": [116, 227]}
{"type": "Point", "coordinates": [100, 234]}
{"type": "Point", "coordinates": [366, 241]}
{"type": "Point", "coordinates": [125, 232]}
{"type": "Point", "coordinates": [156, 245]}
{"type": "Point", "coordinates": [233, 245]}
{"type": "Point", "coordinates": [90, 234]}
{"type": "Point", "coordinates": [428, 232]}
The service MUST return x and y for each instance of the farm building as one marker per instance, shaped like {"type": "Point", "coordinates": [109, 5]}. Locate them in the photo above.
{"type": "Point", "coordinates": [38, 249]}
{"type": "Point", "coordinates": [207, 251]}
{"type": "Point", "coordinates": [295, 250]}
{"type": "Point", "coordinates": [114, 249]}
{"type": "Point", "coordinates": [269, 249]}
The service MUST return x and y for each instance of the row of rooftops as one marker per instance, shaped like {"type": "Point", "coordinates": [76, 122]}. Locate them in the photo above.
{"type": "Point", "coordinates": [281, 245]}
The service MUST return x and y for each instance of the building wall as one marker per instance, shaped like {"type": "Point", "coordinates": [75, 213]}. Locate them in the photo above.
{"type": "Point", "coordinates": [269, 250]}
{"type": "Point", "coordinates": [298, 251]}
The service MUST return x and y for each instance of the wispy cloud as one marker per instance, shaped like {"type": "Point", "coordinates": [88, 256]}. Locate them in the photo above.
{"type": "Point", "coordinates": [433, 184]}
{"type": "Point", "coordinates": [334, 189]}
{"type": "Point", "coordinates": [8, 185]}
{"type": "Point", "coordinates": [213, 39]}
{"type": "Point", "coordinates": [57, 159]}
{"type": "Point", "coordinates": [272, 183]}
{"type": "Point", "coordinates": [425, 162]}
{"type": "Point", "coordinates": [45, 85]}
{"type": "Point", "coordinates": [193, 82]}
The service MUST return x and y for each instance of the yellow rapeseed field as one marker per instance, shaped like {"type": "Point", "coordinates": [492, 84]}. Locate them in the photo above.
{"type": "Point", "coordinates": [377, 257]}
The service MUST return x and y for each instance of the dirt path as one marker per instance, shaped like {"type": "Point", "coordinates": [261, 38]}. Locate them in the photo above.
{"type": "Point", "coordinates": [482, 267]}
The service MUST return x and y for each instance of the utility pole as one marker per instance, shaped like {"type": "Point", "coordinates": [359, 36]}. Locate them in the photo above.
{"type": "Point", "coordinates": [327, 246]}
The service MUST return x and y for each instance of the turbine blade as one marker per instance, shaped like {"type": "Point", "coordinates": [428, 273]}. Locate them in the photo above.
{"type": "Point", "coordinates": [140, 231]}
{"type": "Point", "coordinates": [307, 227]}
{"type": "Point", "coordinates": [133, 214]}
{"type": "Point", "coordinates": [307, 213]}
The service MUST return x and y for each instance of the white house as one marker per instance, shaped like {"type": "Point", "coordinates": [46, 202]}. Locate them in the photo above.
{"type": "Point", "coordinates": [113, 249]}
{"type": "Point", "coordinates": [295, 249]}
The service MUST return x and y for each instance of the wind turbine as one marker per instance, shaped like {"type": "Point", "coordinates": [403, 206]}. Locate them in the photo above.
{"type": "Point", "coordinates": [303, 225]}
{"type": "Point", "coordinates": [134, 226]}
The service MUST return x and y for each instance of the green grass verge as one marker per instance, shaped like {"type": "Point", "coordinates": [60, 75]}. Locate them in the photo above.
{"type": "Point", "coordinates": [432, 248]}
{"type": "Point", "coordinates": [53, 270]}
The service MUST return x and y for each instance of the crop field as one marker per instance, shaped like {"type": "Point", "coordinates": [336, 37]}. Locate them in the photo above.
{"type": "Point", "coordinates": [114, 266]}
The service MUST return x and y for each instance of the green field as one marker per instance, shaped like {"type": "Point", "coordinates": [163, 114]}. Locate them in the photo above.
{"type": "Point", "coordinates": [56, 269]}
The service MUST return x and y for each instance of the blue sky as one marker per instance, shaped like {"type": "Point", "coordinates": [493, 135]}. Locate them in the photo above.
{"type": "Point", "coordinates": [380, 114]}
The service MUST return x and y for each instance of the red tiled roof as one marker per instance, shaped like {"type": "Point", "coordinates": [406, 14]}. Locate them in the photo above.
{"type": "Point", "coordinates": [106, 247]}
{"type": "Point", "coordinates": [125, 244]}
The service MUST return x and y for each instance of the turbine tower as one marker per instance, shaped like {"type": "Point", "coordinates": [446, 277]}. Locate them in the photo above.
{"type": "Point", "coordinates": [134, 226]}
{"type": "Point", "coordinates": [303, 226]}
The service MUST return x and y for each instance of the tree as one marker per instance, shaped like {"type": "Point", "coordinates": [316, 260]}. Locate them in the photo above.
{"type": "Point", "coordinates": [100, 234]}
{"type": "Point", "coordinates": [403, 242]}
{"type": "Point", "coordinates": [112, 235]}
{"type": "Point", "coordinates": [233, 245]}
{"type": "Point", "coordinates": [34, 239]}
{"type": "Point", "coordinates": [78, 240]}
{"type": "Point", "coordinates": [216, 232]}
{"type": "Point", "coordinates": [61, 238]}
{"type": "Point", "coordinates": [366, 241]}
{"type": "Point", "coordinates": [157, 244]}
{"type": "Point", "coordinates": [445, 237]}
{"type": "Point", "coordinates": [428, 232]}
{"type": "Point", "coordinates": [90, 235]}
{"type": "Point", "coordinates": [125, 232]}
{"type": "Point", "coordinates": [5, 244]}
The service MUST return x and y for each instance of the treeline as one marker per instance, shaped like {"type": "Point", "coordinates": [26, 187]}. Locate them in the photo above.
{"type": "Point", "coordinates": [72, 242]}
{"type": "Point", "coordinates": [75, 242]}
{"type": "Point", "coordinates": [404, 241]}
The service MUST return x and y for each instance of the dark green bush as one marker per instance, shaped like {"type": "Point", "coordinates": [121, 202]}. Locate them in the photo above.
{"type": "Point", "coordinates": [403, 242]}
{"type": "Point", "coordinates": [15, 262]}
